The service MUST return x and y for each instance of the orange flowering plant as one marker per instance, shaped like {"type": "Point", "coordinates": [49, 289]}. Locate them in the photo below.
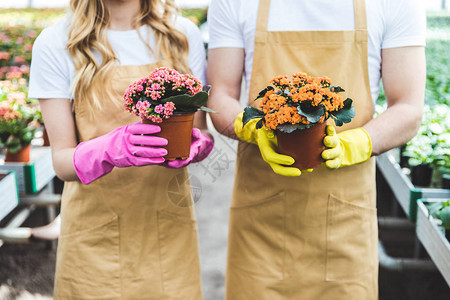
{"type": "Point", "coordinates": [300, 103]}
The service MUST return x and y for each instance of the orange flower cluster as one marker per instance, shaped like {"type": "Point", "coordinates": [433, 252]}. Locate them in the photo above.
{"type": "Point", "coordinates": [280, 105]}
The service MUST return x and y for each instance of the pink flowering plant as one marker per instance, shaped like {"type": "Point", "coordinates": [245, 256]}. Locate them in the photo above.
{"type": "Point", "coordinates": [19, 116]}
{"type": "Point", "coordinates": [163, 93]}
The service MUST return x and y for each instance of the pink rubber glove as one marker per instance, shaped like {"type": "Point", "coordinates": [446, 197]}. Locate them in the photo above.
{"type": "Point", "coordinates": [123, 147]}
{"type": "Point", "coordinates": [201, 147]}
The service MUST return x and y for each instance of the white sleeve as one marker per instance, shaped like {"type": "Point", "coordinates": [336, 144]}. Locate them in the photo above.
{"type": "Point", "coordinates": [197, 55]}
{"type": "Point", "coordinates": [50, 71]}
{"type": "Point", "coordinates": [223, 23]}
{"type": "Point", "coordinates": [405, 24]}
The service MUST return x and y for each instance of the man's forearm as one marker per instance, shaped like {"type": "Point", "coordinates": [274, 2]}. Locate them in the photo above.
{"type": "Point", "coordinates": [227, 109]}
{"type": "Point", "coordinates": [394, 127]}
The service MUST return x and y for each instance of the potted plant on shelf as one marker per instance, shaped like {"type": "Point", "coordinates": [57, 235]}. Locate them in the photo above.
{"type": "Point", "coordinates": [429, 150]}
{"type": "Point", "coordinates": [19, 119]}
{"type": "Point", "coordinates": [420, 153]}
{"type": "Point", "coordinates": [168, 99]}
{"type": "Point", "coordinates": [441, 211]}
{"type": "Point", "coordinates": [297, 110]}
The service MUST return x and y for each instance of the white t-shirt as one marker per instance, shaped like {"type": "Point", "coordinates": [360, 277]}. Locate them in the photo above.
{"type": "Point", "coordinates": [390, 23]}
{"type": "Point", "coordinates": [52, 68]}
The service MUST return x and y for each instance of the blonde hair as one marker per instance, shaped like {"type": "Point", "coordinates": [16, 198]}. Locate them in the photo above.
{"type": "Point", "coordinates": [88, 33]}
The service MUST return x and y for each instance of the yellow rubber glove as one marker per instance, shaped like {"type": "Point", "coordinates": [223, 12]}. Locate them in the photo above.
{"type": "Point", "coordinates": [267, 143]}
{"type": "Point", "coordinates": [346, 148]}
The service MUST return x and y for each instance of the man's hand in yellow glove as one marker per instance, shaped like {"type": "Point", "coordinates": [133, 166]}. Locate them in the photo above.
{"type": "Point", "coordinates": [346, 148]}
{"type": "Point", "coordinates": [267, 143]}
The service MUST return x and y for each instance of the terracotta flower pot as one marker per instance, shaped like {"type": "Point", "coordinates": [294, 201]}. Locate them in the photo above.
{"type": "Point", "coordinates": [178, 131]}
{"type": "Point", "coordinates": [21, 155]}
{"type": "Point", "coordinates": [304, 145]}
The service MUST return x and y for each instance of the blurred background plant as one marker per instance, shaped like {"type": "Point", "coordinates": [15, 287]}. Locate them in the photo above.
{"type": "Point", "coordinates": [432, 143]}
{"type": "Point", "coordinates": [20, 117]}
{"type": "Point", "coordinates": [20, 27]}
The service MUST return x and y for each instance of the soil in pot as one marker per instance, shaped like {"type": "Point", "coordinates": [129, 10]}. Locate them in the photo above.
{"type": "Point", "coordinates": [178, 131]}
{"type": "Point", "coordinates": [304, 145]}
{"type": "Point", "coordinates": [21, 155]}
{"type": "Point", "coordinates": [421, 175]}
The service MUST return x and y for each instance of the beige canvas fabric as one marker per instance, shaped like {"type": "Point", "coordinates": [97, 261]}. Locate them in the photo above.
{"type": "Point", "coordinates": [122, 236]}
{"type": "Point", "coordinates": [312, 237]}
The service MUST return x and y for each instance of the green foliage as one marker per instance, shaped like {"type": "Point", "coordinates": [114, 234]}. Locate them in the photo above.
{"type": "Point", "coordinates": [187, 103]}
{"type": "Point", "coordinates": [196, 15]}
{"type": "Point", "coordinates": [440, 211]}
{"type": "Point", "coordinates": [432, 143]}
{"type": "Point", "coordinates": [31, 17]}
{"type": "Point", "coordinates": [345, 115]}
{"type": "Point", "coordinates": [438, 72]}
{"type": "Point", "coordinates": [312, 113]}
{"type": "Point", "coordinates": [251, 113]}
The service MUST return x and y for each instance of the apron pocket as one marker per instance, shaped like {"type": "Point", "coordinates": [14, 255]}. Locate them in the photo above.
{"type": "Point", "coordinates": [88, 265]}
{"type": "Point", "coordinates": [350, 247]}
{"type": "Point", "coordinates": [180, 266]}
{"type": "Point", "coordinates": [256, 243]}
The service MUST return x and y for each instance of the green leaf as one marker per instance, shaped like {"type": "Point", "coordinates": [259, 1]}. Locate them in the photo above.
{"type": "Point", "coordinates": [259, 124]}
{"type": "Point", "coordinates": [344, 115]}
{"type": "Point", "coordinates": [336, 89]}
{"type": "Point", "coordinates": [264, 91]}
{"type": "Point", "coordinates": [444, 215]}
{"type": "Point", "coordinates": [251, 113]}
{"type": "Point", "coordinates": [288, 128]}
{"type": "Point", "coordinates": [434, 208]}
{"type": "Point", "coordinates": [187, 103]}
{"type": "Point", "coordinates": [204, 108]}
{"type": "Point", "coordinates": [312, 113]}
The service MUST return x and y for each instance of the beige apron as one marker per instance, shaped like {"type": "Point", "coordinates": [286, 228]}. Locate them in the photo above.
{"type": "Point", "coordinates": [122, 237]}
{"type": "Point", "coordinates": [311, 237]}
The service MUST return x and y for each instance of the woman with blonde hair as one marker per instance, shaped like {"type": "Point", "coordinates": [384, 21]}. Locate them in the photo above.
{"type": "Point", "coordinates": [124, 234]}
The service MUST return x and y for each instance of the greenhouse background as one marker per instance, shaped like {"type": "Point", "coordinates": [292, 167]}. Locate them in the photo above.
{"type": "Point", "coordinates": [414, 250]}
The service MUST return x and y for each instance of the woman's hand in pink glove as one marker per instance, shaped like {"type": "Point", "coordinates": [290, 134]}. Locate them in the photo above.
{"type": "Point", "coordinates": [201, 147]}
{"type": "Point", "coordinates": [126, 146]}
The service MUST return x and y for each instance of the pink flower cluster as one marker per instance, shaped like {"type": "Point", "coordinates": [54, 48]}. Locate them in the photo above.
{"type": "Point", "coordinates": [7, 112]}
{"type": "Point", "coordinates": [144, 97]}
{"type": "Point", "coordinates": [11, 100]}
{"type": "Point", "coordinates": [11, 72]}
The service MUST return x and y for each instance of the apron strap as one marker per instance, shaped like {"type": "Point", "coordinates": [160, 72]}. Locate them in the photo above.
{"type": "Point", "coordinates": [359, 10]}
{"type": "Point", "coordinates": [263, 15]}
